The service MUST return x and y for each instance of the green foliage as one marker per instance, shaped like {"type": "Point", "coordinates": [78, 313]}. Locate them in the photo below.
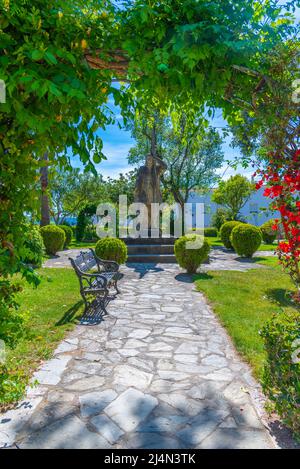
{"type": "Point", "coordinates": [233, 194]}
{"type": "Point", "coordinates": [112, 249]}
{"type": "Point", "coordinates": [83, 219]}
{"type": "Point", "coordinates": [245, 239]}
{"type": "Point", "coordinates": [34, 248]}
{"type": "Point", "coordinates": [268, 234]}
{"type": "Point", "coordinates": [220, 217]}
{"type": "Point", "coordinates": [225, 233]}
{"type": "Point", "coordinates": [210, 232]}
{"type": "Point", "coordinates": [68, 234]}
{"type": "Point", "coordinates": [191, 259]}
{"type": "Point", "coordinates": [54, 238]}
{"type": "Point", "coordinates": [281, 382]}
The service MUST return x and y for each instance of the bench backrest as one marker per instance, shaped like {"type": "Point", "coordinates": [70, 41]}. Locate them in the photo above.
{"type": "Point", "coordinates": [85, 261]}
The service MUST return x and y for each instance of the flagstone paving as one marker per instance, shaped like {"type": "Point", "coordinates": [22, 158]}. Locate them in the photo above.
{"type": "Point", "coordinates": [158, 372]}
{"type": "Point", "coordinates": [220, 259]}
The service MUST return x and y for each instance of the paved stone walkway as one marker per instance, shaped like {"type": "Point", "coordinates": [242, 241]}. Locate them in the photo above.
{"type": "Point", "coordinates": [158, 372]}
{"type": "Point", "coordinates": [220, 259]}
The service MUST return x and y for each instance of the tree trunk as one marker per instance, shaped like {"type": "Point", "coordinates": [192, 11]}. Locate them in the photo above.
{"type": "Point", "coordinates": [45, 210]}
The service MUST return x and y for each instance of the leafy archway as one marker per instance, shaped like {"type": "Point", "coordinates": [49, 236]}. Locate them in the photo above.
{"type": "Point", "coordinates": [60, 58]}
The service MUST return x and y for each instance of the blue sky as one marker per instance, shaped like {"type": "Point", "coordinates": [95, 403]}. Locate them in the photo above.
{"type": "Point", "coordinates": [117, 142]}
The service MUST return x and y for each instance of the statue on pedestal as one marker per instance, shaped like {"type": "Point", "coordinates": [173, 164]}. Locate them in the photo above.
{"type": "Point", "coordinates": [147, 188]}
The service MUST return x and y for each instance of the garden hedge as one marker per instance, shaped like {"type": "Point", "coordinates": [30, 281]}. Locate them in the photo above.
{"type": "Point", "coordinates": [268, 234]}
{"type": "Point", "coordinates": [245, 239]}
{"type": "Point", "coordinates": [225, 233]}
{"type": "Point", "coordinates": [112, 249]}
{"type": "Point", "coordinates": [210, 232]}
{"type": "Point", "coordinates": [54, 238]}
{"type": "Point", "coordinates": [281, 377]}
{"type": "Point", "coordinates": [191, 259]}
{"type": "Point", "coordinates": [69, 234]}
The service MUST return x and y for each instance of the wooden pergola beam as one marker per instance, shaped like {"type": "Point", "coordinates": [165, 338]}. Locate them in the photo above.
{"type": "Point", "coordinates": [115, 61]}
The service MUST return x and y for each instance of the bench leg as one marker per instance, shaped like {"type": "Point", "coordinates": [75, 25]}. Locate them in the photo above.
{"type": "Point", "coordinates": [103, 302]}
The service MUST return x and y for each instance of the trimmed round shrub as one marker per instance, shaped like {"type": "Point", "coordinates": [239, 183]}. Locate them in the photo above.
{"type": "Point", "coordinates": [245, 239]}
{"type": "Point", "coordinates": [191, 259]}
{"type": "Point", "coordinates": [54, 238]}
{"type": "Point", "coordinates": [225, 232]}
{"type": "Point", "coordinates": [111, 249]}
{"type": "Point", "coordinates": [280, 380]}
{"type": "Point", "coordinates": [268, 234]}
{"type": "Point", "coordinates": [68, 232]}
{"type": "Point", "coordinates": [210, 232]}
{"type": "Point", "coordinates": [34, 248]}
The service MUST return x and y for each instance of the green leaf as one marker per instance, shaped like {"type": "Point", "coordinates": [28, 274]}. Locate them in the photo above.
{"type": "Point", "coordinates": [37, 55]}
{"type": "Point", "coordinates": [50, 58]}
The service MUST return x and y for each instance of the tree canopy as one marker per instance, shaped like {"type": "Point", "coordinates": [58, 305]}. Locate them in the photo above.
{"type": "Point", "coordinates": [191, 151]}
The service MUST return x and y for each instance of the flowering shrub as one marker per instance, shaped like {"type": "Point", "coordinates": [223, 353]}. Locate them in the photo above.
{"type": "Point", "coordinates": [282, 177]}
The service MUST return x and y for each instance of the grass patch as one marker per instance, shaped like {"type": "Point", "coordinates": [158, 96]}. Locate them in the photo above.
{"type": "Point", "coordinates": [215, 241]}
{"type": "Point", "coordinates": [81, 244]}
{"type": "Point", "coordinates": [53, 311]}
{"type": "Point", "coordinates": [244, 301]}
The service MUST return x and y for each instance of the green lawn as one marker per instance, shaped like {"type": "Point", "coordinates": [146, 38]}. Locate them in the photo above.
{"type": "Point", "coordinates": [244, 301]}
{"type": "Point", "coordinates": [263, 247]}
{"type": "Point", "coordinates": [53, 307]}
{"type": "Point", "coordinates": [81, 245]}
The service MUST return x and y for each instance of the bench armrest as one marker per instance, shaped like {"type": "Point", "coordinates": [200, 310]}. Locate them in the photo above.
{"type": "Point", "coordinates": [100, 279]}
{"type": "Point", "coordinates": [108, 266]}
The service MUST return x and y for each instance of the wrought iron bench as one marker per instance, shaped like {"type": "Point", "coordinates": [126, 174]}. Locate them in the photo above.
{"type": "Point", "coordinates": [94, 286]}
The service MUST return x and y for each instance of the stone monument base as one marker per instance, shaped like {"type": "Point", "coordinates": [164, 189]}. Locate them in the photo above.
{"type": "Point", "coordinates": [151, 250]}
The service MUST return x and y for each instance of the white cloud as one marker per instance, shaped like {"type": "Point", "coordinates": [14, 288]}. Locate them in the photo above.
{"type": "Point", "coordinates": [116, 162]}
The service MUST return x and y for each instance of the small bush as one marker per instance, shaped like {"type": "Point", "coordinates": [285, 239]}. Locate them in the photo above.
{"type": "Point", "coordinates": [268, 234]}
{"type": "Point", "coordinates": [210, 232]}
{"type": "Point", "coordinates": [54, 238]}
{"type": "Point", "coordinates": [245, 239]}
{"type": "Point", "coordinates": [191, 259]}
{"type": "Point", "coordinates": [68, 233]}
{"type": "Point", "coordinates": [111, 249]}
{"type": "Point", "coordinates": [281, 382]}
{"type": "Point", "coordinates": [220, 217]}
{"type": "Point", "coordinates": [33, 249]}
{"type": "Point", "coordinates": [225, 232]}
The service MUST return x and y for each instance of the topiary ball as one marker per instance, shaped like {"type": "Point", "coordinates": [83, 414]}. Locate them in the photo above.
{"type": "Point", "coordinates": [68, 232]}
{"type": "Point", "coordinates": [225, 232]}
{"type": "Point", "coordinates": [54, 238]}
{"type": "Point", "coordinates": [268, 234]}
{"type": "Point", "coordinates": [191, 259]}
{"type": "Point", "coordinates": [210, 232]}
{"type": "Point", "coordinates": [112, 249]}
{"type": "Point", "coordinates": [245, 239]}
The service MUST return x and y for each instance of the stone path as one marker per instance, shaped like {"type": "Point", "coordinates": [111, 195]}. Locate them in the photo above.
{"type": "Point", "coordinates": [158, 372]}
{"type": "Point", "coordinates": [220, 259]}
